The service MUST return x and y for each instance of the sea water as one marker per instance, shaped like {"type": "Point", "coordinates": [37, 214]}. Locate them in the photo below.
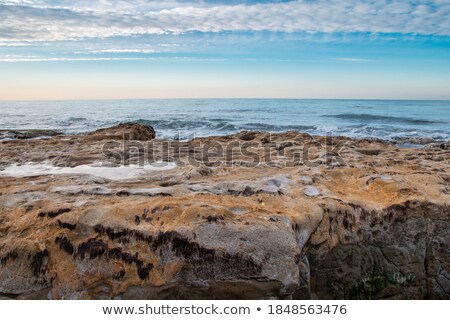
{"type": "Point", "coordinates": [386, 119]}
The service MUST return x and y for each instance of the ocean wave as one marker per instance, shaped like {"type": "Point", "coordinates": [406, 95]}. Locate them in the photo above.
{"type": "Point", "coordinates": [250, 110]}
{"type": "Point", "coordinates": [182, 118]}
{"type": "Point", "coordinates": [188, 125]}
{"type": "Point", "coordinates": [217, 119]}
{"type": "Point", "coordinates": [373, 117]}
{"type": "Point", "coordinates": [76, 119]}
{"type": "Point", "coordinates": [275, 128]}
{"type": "Point", "coordinates": [7, 115]}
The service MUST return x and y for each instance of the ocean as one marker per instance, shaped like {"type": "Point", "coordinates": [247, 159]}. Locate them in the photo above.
{"type": "Point", "coordinates": [183, 119]}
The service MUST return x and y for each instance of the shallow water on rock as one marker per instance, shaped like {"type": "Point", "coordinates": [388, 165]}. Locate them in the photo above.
{"type": "Point", "coordinates": [111, 173]}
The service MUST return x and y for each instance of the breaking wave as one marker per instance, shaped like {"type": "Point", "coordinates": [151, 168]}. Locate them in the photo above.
{"type": "Point", "coordinates": [386, 119]}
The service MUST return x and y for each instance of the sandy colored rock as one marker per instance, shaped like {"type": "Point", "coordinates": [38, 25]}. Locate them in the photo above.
{"type": "Point", "coordinates": [129, 131]}
{"type": "Point", "coordinates": [377, 227]}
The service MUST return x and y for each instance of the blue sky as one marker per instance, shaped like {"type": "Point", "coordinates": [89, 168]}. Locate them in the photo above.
{"type": "Point", "coordinates": [383, 49]}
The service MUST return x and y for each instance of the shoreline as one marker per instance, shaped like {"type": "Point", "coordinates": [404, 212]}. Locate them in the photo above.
{"type": "Point", "coordinates": [28, 134]}
{"type": "Point", "coordinates": [244, 216]}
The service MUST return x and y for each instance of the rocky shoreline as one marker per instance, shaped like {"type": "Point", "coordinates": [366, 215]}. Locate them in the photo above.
{"type": "Point", "coordinates": [27, 134]}
{"type": "Point", "coordinates": [247, 216]}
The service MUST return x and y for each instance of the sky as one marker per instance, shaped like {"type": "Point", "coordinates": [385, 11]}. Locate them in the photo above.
{"type": "Point", "coordinates": [117, 49]}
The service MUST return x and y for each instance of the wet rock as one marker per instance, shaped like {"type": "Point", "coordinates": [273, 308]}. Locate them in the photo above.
{"type": "Point", "coordinates": [127, 131]}
{"type": "Point", "coordinates": [441, 145]}
{"type": "Point", "coordinates": [248, 135]}
{"type": "Point", "coordinates": [27, 134]}
{"type": "Point", "coordinates": [415, 141]}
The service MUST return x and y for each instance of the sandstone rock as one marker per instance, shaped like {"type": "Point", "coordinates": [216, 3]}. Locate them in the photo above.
{"type": "Point", "coordinates": [442, 145]}
{"type": "Point", "coordinates": [127, 131]}
{"type": "Point", "coordinates": [149, 192]}
{"type": "Point", "coordinates": [77, 190]}
{"type": "Point", "coordinates": [312, 191]}
{"type": "Point", "coordinates": [24, 269]}
{"type": "Point", "coordinates": [415, 141]}
{"type": "Point", "coordinates": [377, 229]}
{"type": "Point", "coordinates": [248, 135]}
{"type": "Point", "coordinates": [205, 171]}
{"type": "Point", "coordinates": [27, 134]}
{"type": "Point", "coordinates": [306, 180]}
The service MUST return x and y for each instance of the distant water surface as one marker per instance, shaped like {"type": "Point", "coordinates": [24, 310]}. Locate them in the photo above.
{"type": "Point", "coordinates": [387, 119]}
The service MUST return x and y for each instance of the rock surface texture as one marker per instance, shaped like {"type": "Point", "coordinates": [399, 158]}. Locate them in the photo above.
{"type": "Point", "coordinates": [130, 130]}
{"type": "Point", "coordinates": [262, 219]}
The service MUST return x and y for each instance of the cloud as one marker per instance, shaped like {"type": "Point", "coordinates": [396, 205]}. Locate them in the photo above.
{"type": "Point", "coordinates": [45, 20]}
{"type": "Point", "coordinates": [117, 50]}
{"type": "Point", "coordinates": [352, 60]}
{"type": "Point", "coordinates": [41, 59]}
{"type": "Point", "coordinates": [29, 58]}
{"type": "Point", "coordinates": [14, 44]}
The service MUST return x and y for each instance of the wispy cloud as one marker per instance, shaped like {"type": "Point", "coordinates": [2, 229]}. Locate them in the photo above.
{"type": "Point", "coordinates": [27, 20]}
{"type": "Point", "coordinates": [117, 50]}
{"type": "Point", "coordinates": [40, 59]}
{"type": "Point", "coordinates": [14, 44]}
{"type": "Point", "coordinates": [352, 60]}
{"type": "Point", "coordinates": [18, 58]}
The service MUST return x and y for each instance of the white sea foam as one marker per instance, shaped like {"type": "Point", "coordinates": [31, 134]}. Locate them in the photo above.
{"type": "Point", "coordinates": [111, 173]}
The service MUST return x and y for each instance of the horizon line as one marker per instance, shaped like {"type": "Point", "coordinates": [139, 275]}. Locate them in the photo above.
{"type": "Point", "coordinates": [199, 98]}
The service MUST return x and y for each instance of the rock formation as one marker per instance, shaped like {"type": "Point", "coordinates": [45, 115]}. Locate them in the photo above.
{"type": "Point", "coordinates": [248, 216]}
{"type": "Point", "coordinates": [129, 130]}
{"type": "Point", "coordinates": [27, 134]}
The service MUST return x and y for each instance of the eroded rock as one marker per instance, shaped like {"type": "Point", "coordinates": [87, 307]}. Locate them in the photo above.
{"type": "Point", "coordinates": [375, 228]}
{"type": "Point", "coordinates": [127, 131]}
